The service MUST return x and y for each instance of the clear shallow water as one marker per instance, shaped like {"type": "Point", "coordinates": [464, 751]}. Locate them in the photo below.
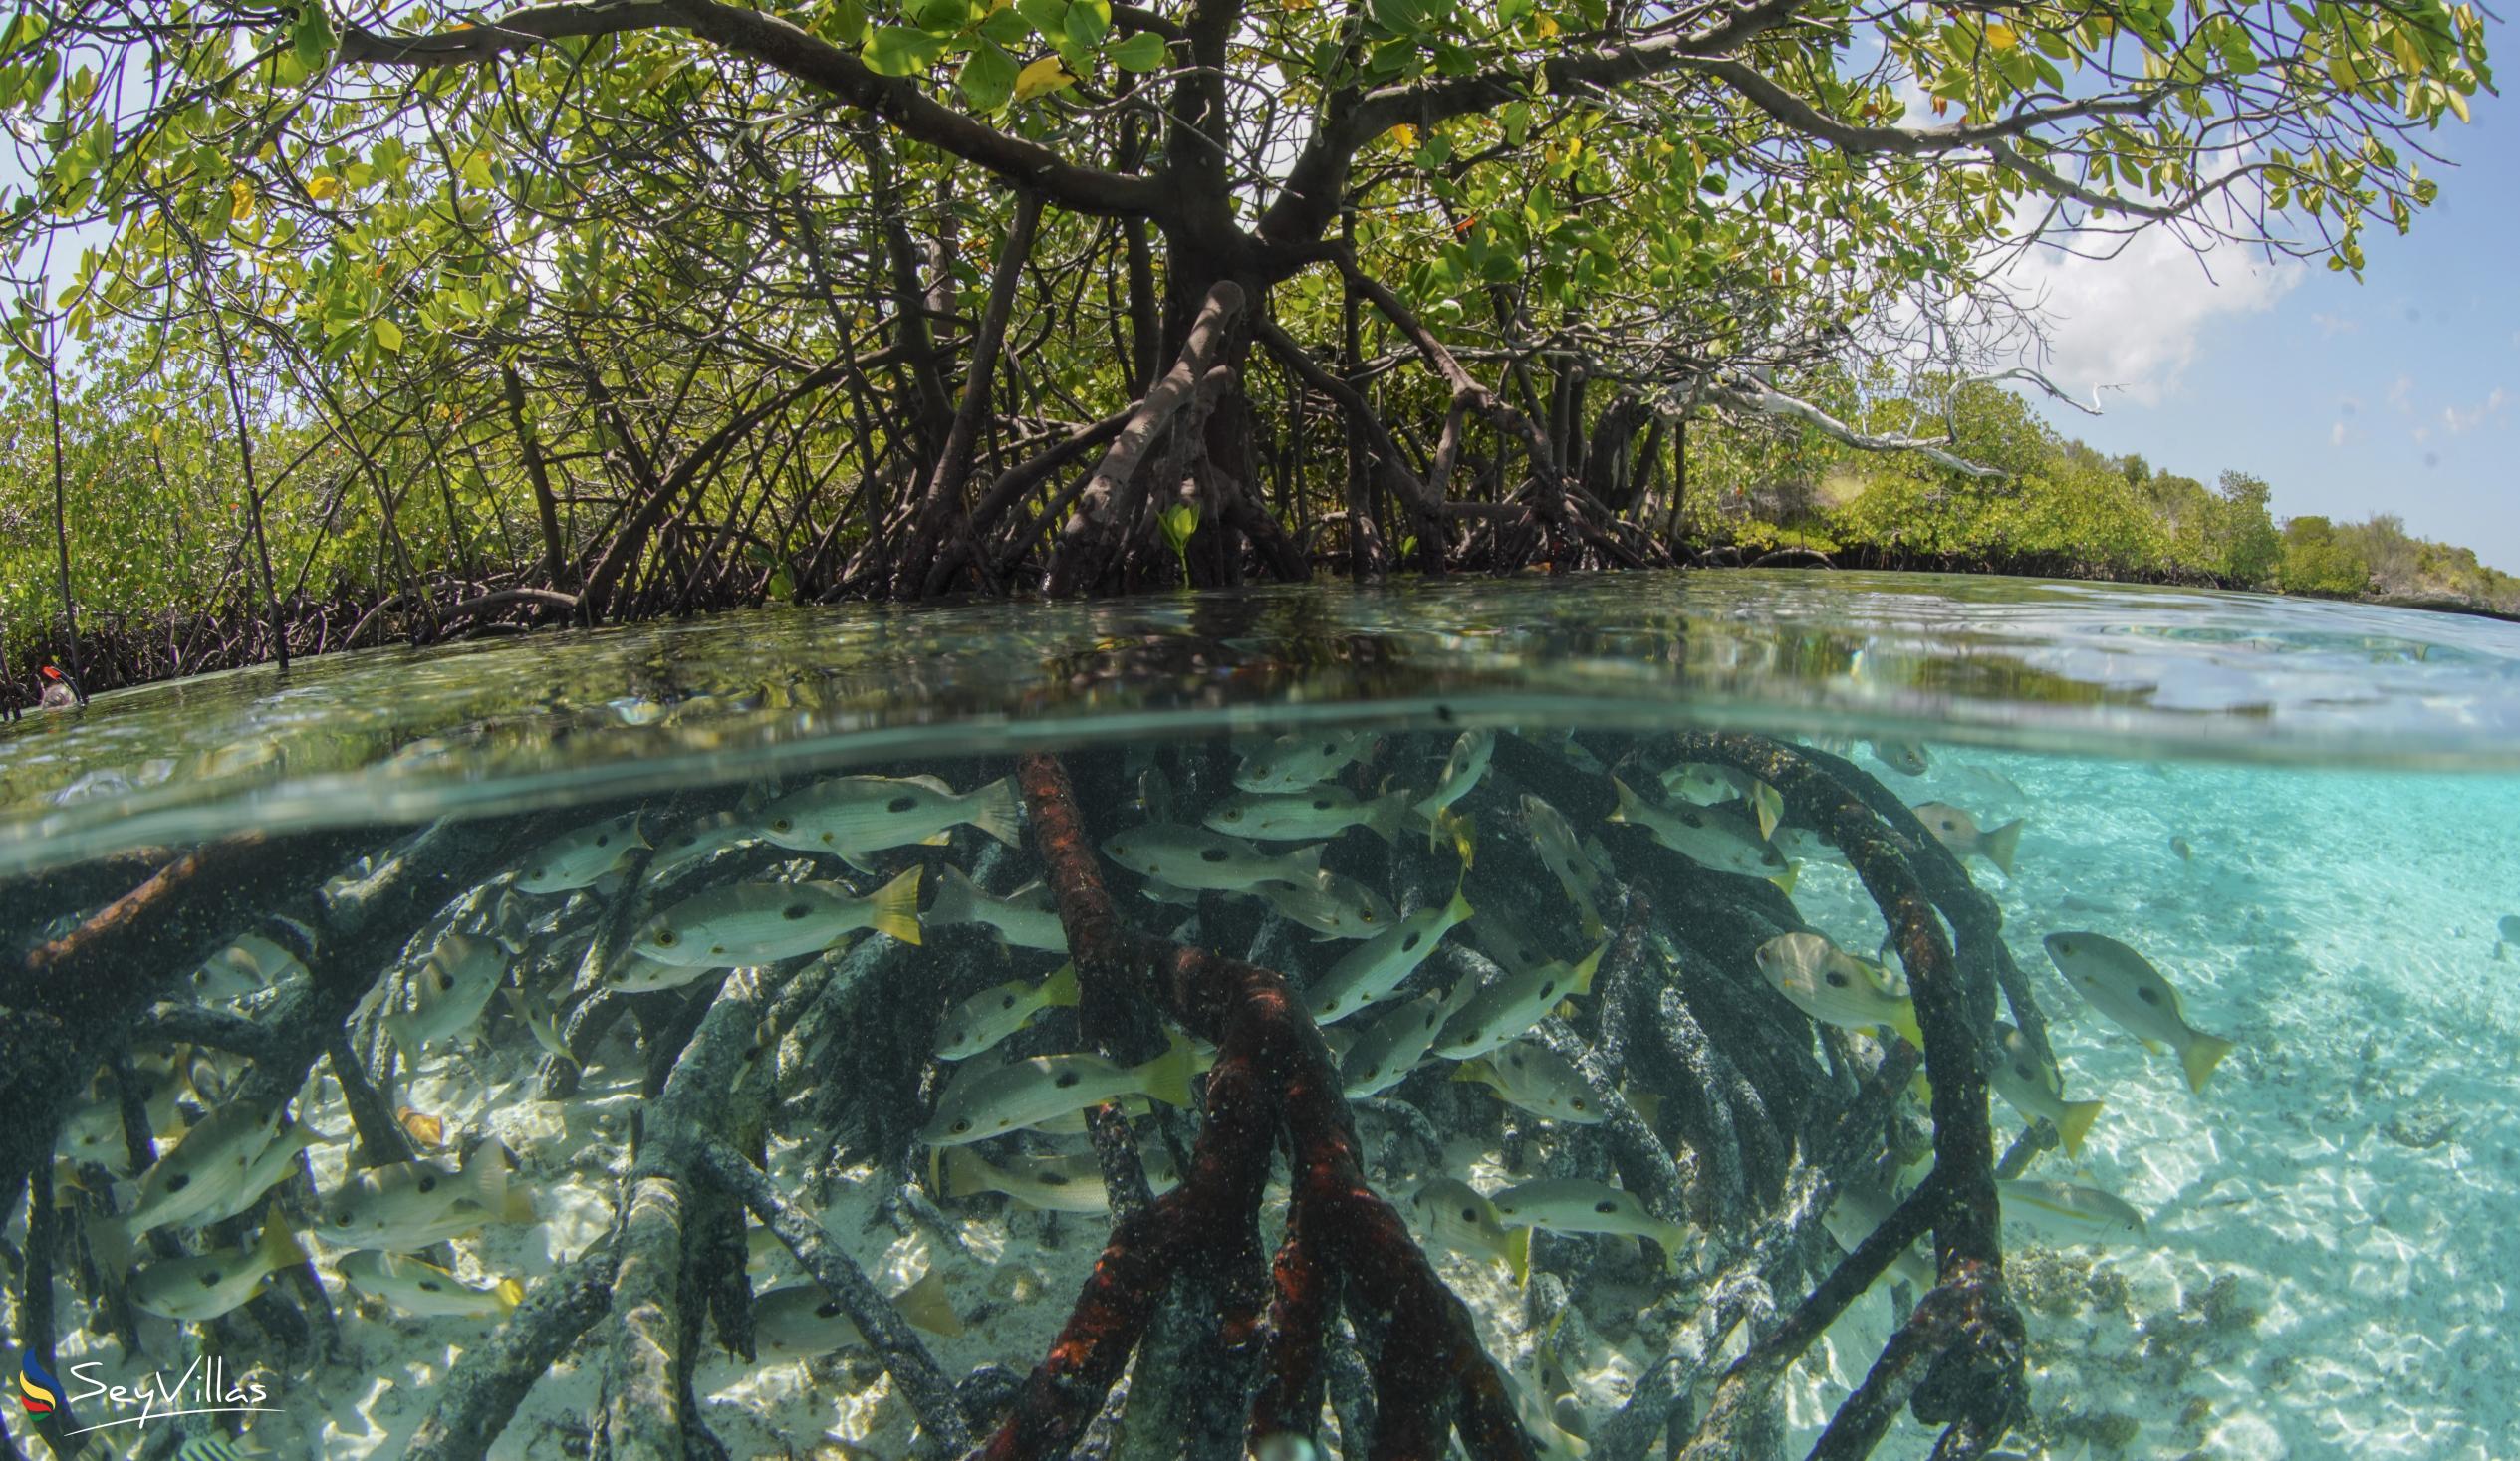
{"type": "Point", "coordinates": [2322, 1270]}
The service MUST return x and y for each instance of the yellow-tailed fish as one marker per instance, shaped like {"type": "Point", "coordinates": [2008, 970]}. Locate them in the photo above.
{"type": "Point", "coordinates": [1707, 783]}
{"type": "Point", "coordinates": [1536, 1079]}
{"type": "Point", "coordinates": [2062, 1212]}
{"type": "Point", "coordinates": [1452, 1214]}
{"type": "Point", "coordinates": [1852, 1217]}
{"type": "Point", "coordinates": [1907, 758]}
{"type": "Point", "coordinates": [205, 1168]}
{"type": "Point", "coordinates": [990, 1100]}
{"type": "Point", "coordinates": [424, 1289]}
{"type": "Point", "coordinates": [636, 974]}
{"type": "Point", "coordinates": [412, 1204]}
{"type": "Point", "coordinates": [803, 1321]}
{"type": "Point", "coordinates": [573, 860]}
{"type": "Point", "coordinates": [2035, 1089]}
{"type": "Point", "coordinates": [1461, 772]}
{"type": "Point", "coordinates": [1302, 759]}
{"type": "Point", "coordinates": [1562, 852]}
{"type": "Point", "coordinates": [1581, 1205]}
{"type": "Point", "coordinates": [763, 922]}
{"type": "Point", "coordinates": [1027, 918]}
{"type": "Point", "coordinates": [539, 1022]}
{"type": "Point", "coordinates": [1711, 836]}
{"type": "Point", "coordinates": [2123, 985]}
{"type": "Point", "coordinates": [1331, 904]}
{"type": "Point", "coordinates": [1959, 832]}
{"type": "Point", "coordinates": [980, 1022]}
{"type": "Point", "coordinates": [1072, 1122]}
{"type": "Point", "coordinates": [853, 816]}
{"type": "Point", "coordinates": [1539, 1415]}
{"type": "Point", "coordinates": [1051, 1183]}
{"type": "Point", "coordinates": [1380, 965]}
{"type": "Point", "coordinates": [443, 995]}
{"type": "Point", "coordinates": [1835, 987]}
{"type": "Point", "coordinates": [1195, 857]}
{"type": "Point", "coordinates": [1309, 815]}
{"type": "Point", "coordinates": [1512, 1005]}
{"type": "Point", "coordinates": [250, 965]}
{"type": "Point", "coordinates": [1391, 1046]}
{"type": "Point", "coordinates": [195, 1290]}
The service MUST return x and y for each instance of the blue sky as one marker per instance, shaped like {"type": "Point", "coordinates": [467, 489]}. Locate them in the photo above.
{"type": "Point", "coordinates": [2400, 395]}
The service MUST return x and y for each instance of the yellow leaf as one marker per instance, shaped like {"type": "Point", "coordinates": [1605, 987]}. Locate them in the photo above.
{"type": "Point", "coordinates": [1041, 77]}
{"type": "Point", "coordinates": [1548, 25]}
{"type": "Point", "coordinates": [1404, 134]}
{"type": "Point", "coordinates": [2458, 103]}
{"type": "Point", "coordinates": [2002, 37]}
{"type": "Point", "coordinates": [243, 195]}
{"type": "Point", "coordinates": [388, 334]}
{"type": "Point", "coordinates": [322, 186]}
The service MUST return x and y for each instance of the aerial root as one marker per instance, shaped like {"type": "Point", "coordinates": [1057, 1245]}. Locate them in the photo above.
{"type": "Point", "coordinates": [1273, 1076]}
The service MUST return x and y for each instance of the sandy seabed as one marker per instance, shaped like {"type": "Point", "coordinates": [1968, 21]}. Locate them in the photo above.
{"type": "Point", "coordinates": [2329, 1264]}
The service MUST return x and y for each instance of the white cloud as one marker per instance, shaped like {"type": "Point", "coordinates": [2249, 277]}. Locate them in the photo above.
{"type": "Point", "coordinates": [2332, 326]}
{"type": "Point", "coordinates": [2460, 422]}
{"type": "Point", "coordinates": [2402, 394]}
{"type": "Point", "coordinates": [2336, 435]}
{"type": "Point", "coordinates": [2132, 322]}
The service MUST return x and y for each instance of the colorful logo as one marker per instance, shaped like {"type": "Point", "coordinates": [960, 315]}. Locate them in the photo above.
{"type": "Point", "coordinates": [36, 1392]}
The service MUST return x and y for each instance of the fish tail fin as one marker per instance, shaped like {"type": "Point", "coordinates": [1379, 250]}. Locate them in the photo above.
{"type": "Point", "coordinates": [1476, 1070]}
{"type": "Point", "coordinates": [1674, 1241]}
{"type": "Point", "coordinates": [965, 1175]}
{"type": "Point", "coordinates": [1389, 818]}
{"type": "Point", "coordinates": [1628, 802]}
{"type": "Point", "coordinates": [511, 1294]}
{"type": "Point", "coordinates": [279, 1247]}
{"type": "Point", "coordinates": [2200, 1056]}
{"type": "Point", "coordinates": [994, 810]}
{"type": "Point", "coordinates": [485, 1175]}
{"type": "Point", "coordinates": [1059, 991]}
{"type": "Point", "coordinates": [927, 1304]}
{"type": "Point", "coordinates": [1463, 832]}
{"type": "Point", "coordinates": [1768, 804]}
{"type": "Point", "coordinates": [1903, 1021]}
{"type": "Point", "coordinates": [1517, 1254]}
{"type": "Point", "coordinates": [1307, 858]}
{"type": "Point", "coordinates": [2076, 1123]}
{"type": "Point", "coordinates": [954, 896]}
{"type": "Point", "coordinates": [892, 909]}
{"type": "Point", "coordinates": [1166, 1077]}
{"type": "Point", "coordinates": [1459, 909]}
{"type": "Point", "coordinates": [1584, 972]}
{"type": "Point", "coordinates": [2000, 844]}
{"type": "Point", "coordinates": [1785, 880]}
{"type": "Point", "coordinates": [937, 839]}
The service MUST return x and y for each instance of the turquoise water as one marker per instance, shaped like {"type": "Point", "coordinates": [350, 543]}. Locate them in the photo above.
{"type": "Point", "coordinates": [2300, 815]}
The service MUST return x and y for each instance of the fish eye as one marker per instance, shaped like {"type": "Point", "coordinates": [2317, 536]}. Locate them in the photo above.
{"type": "Point", "coordinates": [1119, 849]}
{"type": "Point", "coordinates": [1230, 814]}
{"type": "Point", "coordinates": [428, 1184]}
{"type": "Point", "coordinates": [1321, 803]}
{"type": "Point", "coordinates": [1367, 917]}
{"type": "Point", "coordinates": [900, 804]}
{"type": "Point", "coordinates": [180, 1181]}
{"type": "Point", "coordinates": [1606, 1206]}
{"type": "Point", "coordinates": [665, 938]}
{"type": "Point", "coordinates": [962, 1126]}
{"type": "Point", "coordinates": [1214, 854]}
{"type": "Point", "coordinates": [604, 839]}
{"type": "Point", "coordinates": [344, 1218]}
{"type": "Point", "coordinates": [211, 1279]}
{"type": "Point", "coordinates": [1837, 980]}
{"type": "Point", "coordinates": [781, 824]}
{"type": "Point", "coordinates": [794, 911]}
{"type": "Point", "coordinates": [1469, 1214]}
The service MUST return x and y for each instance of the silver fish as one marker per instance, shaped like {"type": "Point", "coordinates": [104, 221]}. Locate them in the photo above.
{"type": "Point", "coordinates": [412, 1204]}
{"type": "Point", "coordinates": [1513, 1004]}
{"type": "Point", "coordinates": [853, 816]}
{"type": "Point", "coordinates": [1581, 1205]}
{"type": "Point", "coordinates": [1453, 1214]}
{"type": "Point", "coordinates": [801, 1320]}
{"type": "Point", "coordinates": [577, 859]}
{"type": "Point", "coordinates": [424, 1289]}
{"type": "Point", "coordinates": [1195, 857]}
{"type": "Point", "coordinates": [1835, 987]}
{"type": "Point", "coordinates": [2034, 1088]}
{"type": "Point", "coordinates": [1711, 836]}
{"type": "Point", "coordinates": [1331, 904]}
{"type": "Point", "coordinates": [2066, 1213]}
{"type": "Point", "coordinates": [1380, 965]}
{"type": "Point", "coordinates": [763, 922]}
{"type": "Point", "coordinates": [446, 994]}
{"type": "Point", "coordinates": [1562, 852]}
{"type": "Point", "coordinates": [698, 839]}
{"type": "Point", "coordinates": [1852, 1217]}
{"type": "Point", "coordinates": [990, 1016]}
{"type": "Point", "coordinates": [205, 1169]}
{"type": "Point", "coordinates": [1708, 784]}
{"type": "Point", "coordinates": [2123, 985]}
{"type": "Point", "coordinates": [1959, 832]}
{"type": "Point", "coordinates": [1538, 1080]}
{"type": "Point", "coordinates": [196, 1290]}
{"type": "Point", "coordinates": [1301, 759]}
{"type": "Point", "coordinates": [1050, 1183]}
{"type": "Point", "coordinates": [1391, 1047]}
{"type": "Point", "coordinates": [1309, 815]}
{"type": "Point", "coordinates": [1463, 770]}
{"type": "Point", "coordinates": [1907, 758]}
{"type": "Point", "coordinates": [985, 1102]}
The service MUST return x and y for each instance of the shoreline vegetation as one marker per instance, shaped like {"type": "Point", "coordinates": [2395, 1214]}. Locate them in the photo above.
{"type": "Point", "coordinates": [1715, 496]}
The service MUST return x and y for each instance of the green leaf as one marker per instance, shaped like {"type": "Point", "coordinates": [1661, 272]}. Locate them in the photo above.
{"type": "Point", "coordinates": [897, 50]}
{"type": "Point", "coordinates": [388, 335]}
{"type": "Point", "coordinates": [1089, 21]}
{"type": "Point", "coordinates": [988, 78]}
{"type": "Point", "coordinates": [311, 36]}
{"type": "Point", "coordinates": [1144, 51]}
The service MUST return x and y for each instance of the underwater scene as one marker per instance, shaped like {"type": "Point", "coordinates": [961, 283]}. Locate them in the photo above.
{"type": "Point", "coordinates": [1741, 1015]}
